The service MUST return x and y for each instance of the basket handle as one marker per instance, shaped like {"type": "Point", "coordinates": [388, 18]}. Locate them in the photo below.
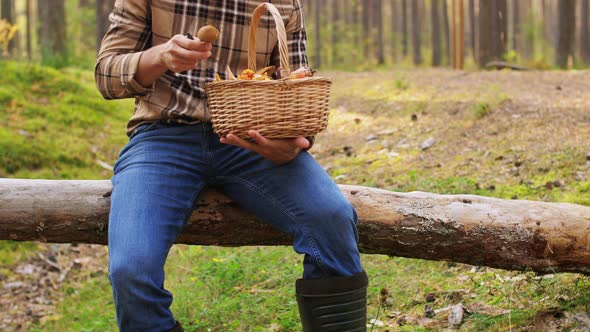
{"type": "Point", "coordinates": [281, 34]}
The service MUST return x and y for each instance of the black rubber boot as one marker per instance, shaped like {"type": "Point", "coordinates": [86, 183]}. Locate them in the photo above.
{"type": "Point", "coordinates": [337, 304]}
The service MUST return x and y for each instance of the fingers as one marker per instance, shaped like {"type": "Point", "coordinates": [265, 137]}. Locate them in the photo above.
{"type": "Point", "coordinates": [181, 53]}
{"type": "Point", "coordinates": [256, 136]}
{"type": "Point", "coordinates": [299, 142]}
{"type": "Point", "coordinates": [235, 140]}
{"type": "Point", "coordinates": [178, 65]}
{"type": "Point", "coordinates": [279, 150]}
{"type": "Point", "coordinates": [192, 44]}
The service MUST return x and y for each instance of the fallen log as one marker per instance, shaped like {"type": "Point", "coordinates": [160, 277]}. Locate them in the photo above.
{"type": "Point", "coordinates": [508, 234]}
{"type": "Point", "coordinates": [499, 65]}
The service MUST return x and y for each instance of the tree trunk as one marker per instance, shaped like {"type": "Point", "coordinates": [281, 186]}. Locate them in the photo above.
{"type": "Point", "coordinates": [528, 36]}
{"type": "Point", "coordinates": [458, 34]}
{"type": "Point", "coordinates": [546, 17]}
{"type": "Point", "coordinates": [7, 13]}
{"type": "Point", "coordinates": [486, 36]}
{"type": "Point", "coordinates": [367, 41]}
{"type": "Point", "coordinates": [354, 48]}
{"type": "Point", "coordinates": [29, 36]}
{"type": "Point", "coordinates": [336, 32]}
{"type": "Point", "coordinates": [356, 26]}
{"type": "Point", "coordinates": [472, 27]}
{"type": "Point", "coordinates": [446, 31]}
{"type": "Point", "coordinates": [551, 20]}
{"type": "Point", "coordinates": [502, 24]}
{"type": "Point", "coordinates": [395, 32]}
{"type": "Point", "coordinates": [516, 35]}
{"type": "Point", "coordinates": [103, 10]}
{"type": "Point", "coordinates": [7, 10]}
{"type": "Point", "coordinates": [507, 234]}
{"type": "Point", "coordinates": [377, 15]}
{"type": "Point", "coordinates": [416, 34]}
{"type": "Point", "coordinates": [461, 35]}
{"type": "Point", "coordinates": [565, 34]}
{"type": "Point", "coordinates": [585, 32]}
{"type": "Point", "coordinates": [492, 30]}
{"type": "Point", "coordinates": [436, 53]}
{"type": "Point", "coordinates": [348, 14]}
{"type": "Point", "coordinates": [404, 17]}
{"type": "Point", "coordinates": [52, 28]}
{"type": "Point", "coordinates": [318, 35]}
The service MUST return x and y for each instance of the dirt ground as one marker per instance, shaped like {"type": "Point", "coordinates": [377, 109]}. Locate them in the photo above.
{"type": "Point", "coordinates": [482, 125]}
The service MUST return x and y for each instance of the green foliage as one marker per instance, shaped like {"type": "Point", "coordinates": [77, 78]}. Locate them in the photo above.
{"type": "Point", "coordinates": [481, 109]}
{"type": "Point", "coordinates": [50, 59]}
{"type": "Point", "coordinates": [11, 252]}
{"type": "Point", "coordinates": [490, 100]}
{"type": "Point", "coordinates": [511, 56]}
{"type": "Point", "coordinates": [81, 35]}
{"type": "Point", "coordinates": [225, 289]}
{"type": "Point", "coordinates": [541, 51]}
{"type": "Point", "coordinates": [55, 124]}
{"type": "Point", "coordinates": [401, 84]}
{"type": "Point", "coordinates": [86, 307]}
{"type": "Point", "coordinates": [232, 290]}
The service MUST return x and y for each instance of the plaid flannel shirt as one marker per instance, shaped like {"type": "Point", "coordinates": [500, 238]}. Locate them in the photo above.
{"type": "Point", "coordinates": [137, 25]}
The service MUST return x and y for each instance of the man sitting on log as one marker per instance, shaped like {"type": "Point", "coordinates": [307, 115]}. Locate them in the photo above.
{"type": "Point", "coordinates": [173, 154]}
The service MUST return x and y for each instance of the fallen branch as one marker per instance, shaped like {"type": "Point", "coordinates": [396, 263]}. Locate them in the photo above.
{"type": "Point", "coordinates": [507, 234]}
{"type": "Point", "coordinates": [499, 65]}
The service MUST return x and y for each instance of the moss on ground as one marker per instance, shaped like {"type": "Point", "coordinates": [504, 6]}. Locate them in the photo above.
{"type": "Point", "coordinates": [54, 124]}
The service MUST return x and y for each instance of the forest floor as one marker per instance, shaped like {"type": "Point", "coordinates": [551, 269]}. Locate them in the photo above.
{"type": "Point", "coordinates": [514, 135]}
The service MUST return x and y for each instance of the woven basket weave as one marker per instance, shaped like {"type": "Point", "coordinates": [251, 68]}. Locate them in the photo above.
{"type": "Point", "coordinates": [277, 108]}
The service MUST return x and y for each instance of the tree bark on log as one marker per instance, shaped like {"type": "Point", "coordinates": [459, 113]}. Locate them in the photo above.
{"type": "Point", "coordinates": [508, 234]}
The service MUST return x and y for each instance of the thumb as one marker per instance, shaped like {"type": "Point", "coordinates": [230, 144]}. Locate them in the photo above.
{"type": "Point", "coordinates": [301, 142]}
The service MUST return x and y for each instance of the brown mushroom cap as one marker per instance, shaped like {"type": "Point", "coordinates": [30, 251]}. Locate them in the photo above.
{"type": "Point", "coordinates": [208, 34]}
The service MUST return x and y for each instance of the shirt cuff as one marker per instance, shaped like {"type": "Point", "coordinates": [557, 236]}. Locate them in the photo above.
{"type": "Point", "coordinates": [129, 66]}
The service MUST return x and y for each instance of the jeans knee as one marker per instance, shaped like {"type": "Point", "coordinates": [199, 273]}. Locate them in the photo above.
{"type": "Point", "coordinates": [130, 272]}
{"type": "Point", "coordinates": [121, 274]}
{"type": "Point", "coordinates": [337, 222]}
{"type": "Point", "coordinates": [341, 215]}
{"type": "Point", "coordinates": [335, 238]}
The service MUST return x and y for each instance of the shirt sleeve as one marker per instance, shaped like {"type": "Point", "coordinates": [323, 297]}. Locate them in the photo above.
{"type": "Point", "coordinates": [296, 40]}
{"type": "Point", "coordinates": [128, 36]}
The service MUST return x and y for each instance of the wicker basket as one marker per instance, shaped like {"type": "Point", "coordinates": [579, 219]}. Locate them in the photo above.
{"type": "Point", "coordinates": [277, 108]}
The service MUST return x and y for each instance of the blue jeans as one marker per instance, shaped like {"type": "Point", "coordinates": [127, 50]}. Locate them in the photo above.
{"type": "Point", "coordinates": [156, 181]}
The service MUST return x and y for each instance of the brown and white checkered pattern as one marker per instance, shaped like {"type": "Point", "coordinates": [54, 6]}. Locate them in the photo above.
{"type": "Point", "coordinates": [137, 25]}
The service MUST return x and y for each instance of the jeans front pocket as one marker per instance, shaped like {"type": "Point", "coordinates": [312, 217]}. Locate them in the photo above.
{"type": "Point", "coordinates": [143, 128]}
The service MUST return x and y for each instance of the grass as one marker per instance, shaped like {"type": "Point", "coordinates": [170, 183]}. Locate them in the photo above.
{"type": "Point", "coordinates": [251, 289]}
{"type": "Point", "coordinates": [481, 109]}
{"type": "Point", "coordinates": [487, 129]}
{"type": "Point", "coordinates": [55, 124]}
